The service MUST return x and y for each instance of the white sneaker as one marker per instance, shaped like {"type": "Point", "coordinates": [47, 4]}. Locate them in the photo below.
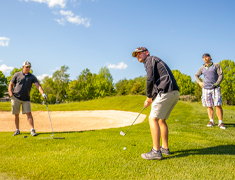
{"type": "Point", "coordinates": [221, 125]}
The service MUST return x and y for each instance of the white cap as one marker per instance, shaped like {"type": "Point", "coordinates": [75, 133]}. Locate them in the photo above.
{"type": "Point", "coordinates": [26, 63]}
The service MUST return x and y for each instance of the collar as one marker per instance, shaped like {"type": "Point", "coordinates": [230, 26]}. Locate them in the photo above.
{"type": "Point", "coordinates": [25, 74]}
{"type": "Point", "coordinates": [208, 65]}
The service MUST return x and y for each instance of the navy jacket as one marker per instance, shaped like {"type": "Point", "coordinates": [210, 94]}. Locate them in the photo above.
{"type": "Point", "coordinates": [159, 77]}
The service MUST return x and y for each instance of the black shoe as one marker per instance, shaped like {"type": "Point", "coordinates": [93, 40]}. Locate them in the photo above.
{"type": "Point", "coordinates": [165, 151]}
{"type": "Point", "coordinates": [153, 154]}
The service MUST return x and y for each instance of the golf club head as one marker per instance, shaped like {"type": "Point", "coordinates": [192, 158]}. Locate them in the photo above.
{"type": "Point", "coordinates": [122, 133]}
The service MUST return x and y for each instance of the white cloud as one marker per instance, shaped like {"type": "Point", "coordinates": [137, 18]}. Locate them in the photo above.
{"type": "Point", "coordinates": [57, 68]}
{"type": "Point", "coordinates": [70, 17]}
{"type": "Point", "coordinates": [43, 76]}
{"type": "Point", "coordinates": [6, 69]}
{"type": "Point", "coordinates": [1, 60]}
{"type": "Point", "coordinates": [51, 3]}
{"type": "Point", "coordinates": [4, 41]}
{"type": "Point", "coordinates": [76, 3]}
{"type": "Point", "coordinates": [121, 65]}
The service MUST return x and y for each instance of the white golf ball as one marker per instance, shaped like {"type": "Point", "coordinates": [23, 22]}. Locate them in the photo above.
{"type": "Point", "coordinates": [124, 148]}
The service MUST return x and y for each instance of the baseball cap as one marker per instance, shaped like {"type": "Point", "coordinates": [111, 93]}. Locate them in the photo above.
{"type": "Point", "coordinates": [139, 49]}
{"type": "Point", "coordinates": [26, 63]}
{"type": "Point", "coordinates": [206, 55]}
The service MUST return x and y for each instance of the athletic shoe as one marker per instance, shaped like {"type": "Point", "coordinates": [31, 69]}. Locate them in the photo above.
{"type": "Point", "coordinates": [165, 151]}
{"type": "Point", "coordinates": [211, 124]}
{"type": "Point", "coordinates": [17, 132]}
{"type": "Point", "coordinates": [221, 125]}
{"type": "Point", "coordinates": [33, 133]}
{"type": "Point", "coordinates": [153, 154]}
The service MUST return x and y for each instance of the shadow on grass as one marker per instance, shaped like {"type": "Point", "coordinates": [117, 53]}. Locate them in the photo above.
{"type": "Point", "coordinates": [216, 150]}
{"type": "Point", "coordinates": [229, 125]}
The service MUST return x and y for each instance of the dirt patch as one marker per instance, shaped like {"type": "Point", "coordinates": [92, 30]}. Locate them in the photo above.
{"type": "Point", "coordinates": [64, 121]}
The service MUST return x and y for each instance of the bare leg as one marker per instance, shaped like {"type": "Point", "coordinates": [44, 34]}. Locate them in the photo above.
{"type": "Point", "coordinates": [17, 121]}
{"type": "Point", "coordinates": [219, 112]}
{"type": "Point", "coordinates": [210, 112]}
{"type": "Point", "coordinates": [155, 132]}
{"type": "Point", "coordinates": [164, 133]}
{"type": "Point", "coordinates": [30, 119]}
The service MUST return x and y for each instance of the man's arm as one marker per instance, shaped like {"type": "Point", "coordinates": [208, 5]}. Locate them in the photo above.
{"type": "Point", "coordinates": [220, 74]}
{"type": "Point", "coordinates": [197, 75]}
{"type": "Point", "coordinates": [10, 89]}
{"type": "Point", "coordinates": [40, 89]}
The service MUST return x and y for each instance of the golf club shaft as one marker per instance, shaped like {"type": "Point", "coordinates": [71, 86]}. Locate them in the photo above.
{"type": "Point", "coordinates": [135, 119]}
{"type": "Point", "coordinates": [50, 118]}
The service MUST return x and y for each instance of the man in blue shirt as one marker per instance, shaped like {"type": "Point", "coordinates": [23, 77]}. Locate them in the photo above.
{"type": "Point", "coordinates": [211, 94]}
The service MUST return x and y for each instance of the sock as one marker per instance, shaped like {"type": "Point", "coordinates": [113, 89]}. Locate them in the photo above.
{"type": "Point", "coordinates": [220, 121]}
{"type": "Point", "coordinates": [32, 129]}
{"type": "Point", "coordinates": [212, 120]}
{"type": "Point", "coordinates": [17, 130]}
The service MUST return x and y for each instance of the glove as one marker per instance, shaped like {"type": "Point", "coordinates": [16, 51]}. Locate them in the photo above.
{"type": "Point", "coordinates": [214, 86]}
{"type": "Point", "coordinates": [44, 95]}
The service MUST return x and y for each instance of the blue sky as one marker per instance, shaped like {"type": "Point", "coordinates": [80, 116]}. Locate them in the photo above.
{"type": "Point", "coordinates": [96, 33]}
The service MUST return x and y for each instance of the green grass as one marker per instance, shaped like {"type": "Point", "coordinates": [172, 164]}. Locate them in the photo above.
{"type": "Point", "coordinates": [198, 152]}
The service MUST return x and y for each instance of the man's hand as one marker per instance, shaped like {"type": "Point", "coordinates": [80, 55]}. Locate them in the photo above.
{"type": "Point", "coordinates": [45, 96]}
{"type": "Point", "coordinates": [214, 86]}
{"type": "Point", "coordinates": [148, 102]}
{"type": "Point", "coordinates": [201, 84]}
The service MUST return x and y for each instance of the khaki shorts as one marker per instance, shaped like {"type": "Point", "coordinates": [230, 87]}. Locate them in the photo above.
{"type": "Point", "coordinates": [15, 106]}
{"type": "Point", "coordinates": [164, 104]}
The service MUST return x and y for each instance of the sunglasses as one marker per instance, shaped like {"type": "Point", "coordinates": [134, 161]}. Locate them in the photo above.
{"type": "Point", "coordinates": [139, 53]}
{"type": "Point", "coordinates": [28, 66]}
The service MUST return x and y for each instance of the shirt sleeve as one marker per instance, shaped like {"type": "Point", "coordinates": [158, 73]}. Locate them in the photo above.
{"type": "Point", "coordinates": [14, 78]}
{"type": "Point", "coordinates": [149, 70]}
{"type": "Point", "coordinates": [220, 74]}
{"type": "Point", "coordinates": [198, 74]}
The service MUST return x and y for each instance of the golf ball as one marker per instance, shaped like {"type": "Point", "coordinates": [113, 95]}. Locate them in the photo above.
{"type": "Point", "coordinates": [124, 148]}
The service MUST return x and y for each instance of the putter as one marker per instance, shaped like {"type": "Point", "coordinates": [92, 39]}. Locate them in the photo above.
{"type": "Point", "coordinates": [122, 133]}
{"type": "Point", "coordinates": [52, 136]}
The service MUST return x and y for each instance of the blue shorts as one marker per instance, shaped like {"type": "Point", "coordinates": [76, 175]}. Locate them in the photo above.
{"type": "Point", "coordinates": [211, 97]}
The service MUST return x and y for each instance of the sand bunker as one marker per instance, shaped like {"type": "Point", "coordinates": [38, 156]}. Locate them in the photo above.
{"type": "Point", "coordinates": [64, 121]}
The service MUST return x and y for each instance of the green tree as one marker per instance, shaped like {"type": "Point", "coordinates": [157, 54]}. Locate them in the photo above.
{"type": "Point", "coordinates": [197, 90]}
{"type": "Point", "coordinates": [61, 82]}
{"type": "Point", "coordinates": [228, 83]}
{"type": "Point", "coordinates": [104, 83]}
{"type": "Point", "coordinates": [3, 84]}
{"type": "Point", "coordinates": [136, 89]}
{"type": "Point", "coordinates": [184, 82]}
{"type": "Point", "coordinates": [83, 87]}
{"type": "Point", "coordinates": [121, 87]}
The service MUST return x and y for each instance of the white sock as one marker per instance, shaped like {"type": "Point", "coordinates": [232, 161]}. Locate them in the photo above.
{"type": "Point", "coordinates": [17, 130]}
{"type": "Point", "coordinates": [32, 129]}
{"type": "Point", "coordinates": [212, 120]}
{"type": "Point", "coordinates": [220, 121]}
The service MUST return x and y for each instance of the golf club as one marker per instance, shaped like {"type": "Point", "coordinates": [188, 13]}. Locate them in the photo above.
{"type": "Point", "coordinates": [122, 133]}
{"type": "Point", "coordinates": [52, 136]}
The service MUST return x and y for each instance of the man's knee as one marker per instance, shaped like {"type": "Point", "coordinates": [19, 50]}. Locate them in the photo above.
{"type": "Point", "coordinates": [29, 115]}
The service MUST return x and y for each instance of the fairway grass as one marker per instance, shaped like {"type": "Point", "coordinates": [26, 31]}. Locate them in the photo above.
{"type": "Point", "coordinates": [197, 152]}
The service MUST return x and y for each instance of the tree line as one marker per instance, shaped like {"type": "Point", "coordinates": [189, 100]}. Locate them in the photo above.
{"type": "Point", "coordinates": [87, 85]}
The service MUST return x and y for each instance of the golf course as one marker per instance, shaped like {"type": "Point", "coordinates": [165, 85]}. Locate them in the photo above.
{"type": "Point", "coordinates": [197, 152]}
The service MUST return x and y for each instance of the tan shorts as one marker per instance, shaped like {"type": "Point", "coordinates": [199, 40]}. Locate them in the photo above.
{"type": "Point", "coordinates": [164, 104]}
{"type": "Point", "coordinates": [15, 106]}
